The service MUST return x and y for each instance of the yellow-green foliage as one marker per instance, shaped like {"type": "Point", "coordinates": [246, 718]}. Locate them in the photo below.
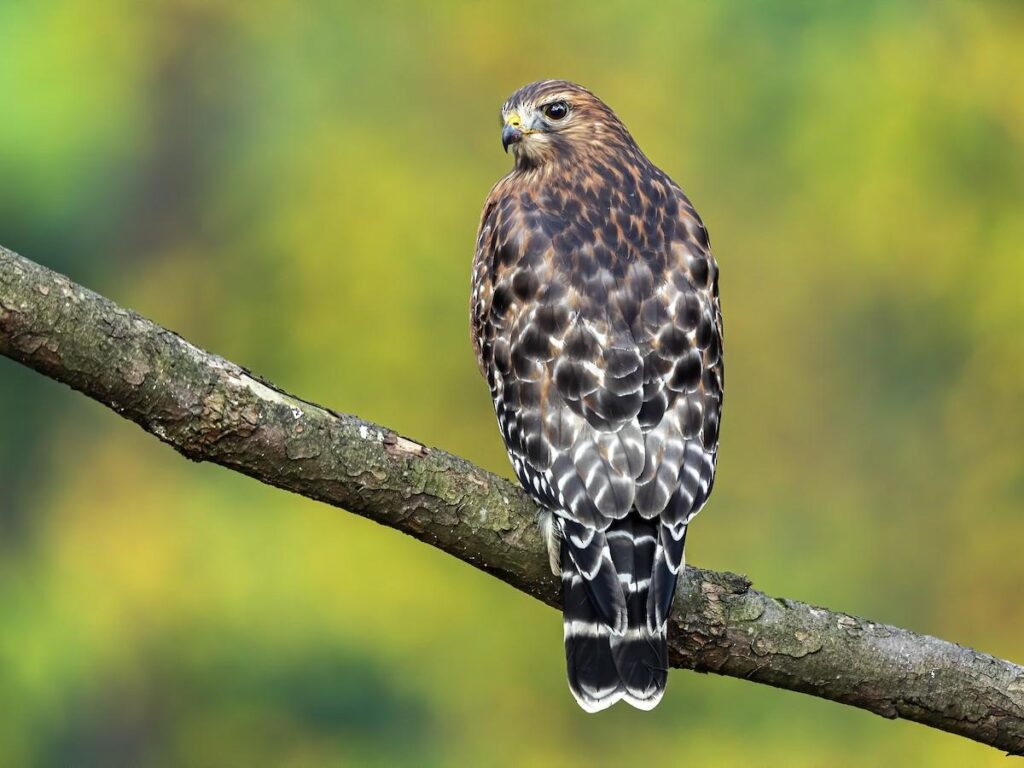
{"type": "Point", "coordinates": [296, 185]}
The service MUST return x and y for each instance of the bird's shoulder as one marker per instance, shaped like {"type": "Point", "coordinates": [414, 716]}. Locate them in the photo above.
{"type": "Point", "coordinates": [618, 247]}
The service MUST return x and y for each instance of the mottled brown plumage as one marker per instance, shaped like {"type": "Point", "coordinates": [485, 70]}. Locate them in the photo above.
{"type": "Point", "coordinates": [596, 322]}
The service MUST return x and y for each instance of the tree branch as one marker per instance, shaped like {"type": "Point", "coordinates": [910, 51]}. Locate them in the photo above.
{"type": "Point", "coordinates": [209, 409]}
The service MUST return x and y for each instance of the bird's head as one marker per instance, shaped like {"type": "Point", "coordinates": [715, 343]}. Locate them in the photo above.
{"type": "Point", "coordinates": [555, 121]}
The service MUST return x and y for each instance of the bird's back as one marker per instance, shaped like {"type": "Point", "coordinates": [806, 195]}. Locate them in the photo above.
{"type": "Point", "coordinates": [596, 322]}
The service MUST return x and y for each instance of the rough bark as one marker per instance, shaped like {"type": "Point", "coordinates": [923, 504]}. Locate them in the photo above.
{"type": "Point", "coordinates": [209, 409]}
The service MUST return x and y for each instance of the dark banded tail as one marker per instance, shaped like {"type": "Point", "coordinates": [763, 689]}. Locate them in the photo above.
{"type": "Point", "coordinates": [609, 659]}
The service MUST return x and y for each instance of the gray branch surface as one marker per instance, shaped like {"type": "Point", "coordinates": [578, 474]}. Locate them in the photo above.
{"type": "Point", "coordinates": [209, 409]}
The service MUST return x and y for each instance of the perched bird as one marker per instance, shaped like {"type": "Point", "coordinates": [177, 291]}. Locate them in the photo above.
{"type": "Point", "coordinates": [595, 320]}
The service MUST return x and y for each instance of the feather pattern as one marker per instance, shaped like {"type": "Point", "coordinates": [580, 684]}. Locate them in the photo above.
{"type": "Point", "coordinates": [595, 319]}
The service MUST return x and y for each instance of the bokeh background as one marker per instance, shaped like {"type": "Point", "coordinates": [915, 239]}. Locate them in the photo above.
{"type": "Point", "coordinates": [296, 186]}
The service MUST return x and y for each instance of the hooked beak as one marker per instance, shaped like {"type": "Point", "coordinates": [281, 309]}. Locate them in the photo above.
{"type": "Point", "coordinates": [513, 132]}
{"type": "Point", "coordinates": [510, 134]}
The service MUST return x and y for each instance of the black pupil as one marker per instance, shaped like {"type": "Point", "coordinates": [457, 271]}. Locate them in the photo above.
{"type": "Point", "coordinates": [556, 111]}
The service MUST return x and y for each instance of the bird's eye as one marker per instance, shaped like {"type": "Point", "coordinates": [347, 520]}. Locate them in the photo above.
{"type": "Point", "coordinates": [556, 110]}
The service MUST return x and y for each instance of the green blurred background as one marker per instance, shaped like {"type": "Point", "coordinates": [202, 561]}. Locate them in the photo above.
{"type": "Point", "coordinates": [296, 186]}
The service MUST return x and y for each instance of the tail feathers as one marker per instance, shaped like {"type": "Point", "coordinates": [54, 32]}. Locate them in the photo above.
{"type": "Point", "coordinates": [605, 666]}
{"type": "Point", "coordinates": [591, 564]}
{"type": "Point", "coordinates": [593, 676]}
{"type": "Point", "coordinates": [668, 562]}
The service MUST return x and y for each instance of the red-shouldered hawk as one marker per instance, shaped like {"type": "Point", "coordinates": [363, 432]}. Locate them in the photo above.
{"type": "Point", "coordinates": [596, 322]}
